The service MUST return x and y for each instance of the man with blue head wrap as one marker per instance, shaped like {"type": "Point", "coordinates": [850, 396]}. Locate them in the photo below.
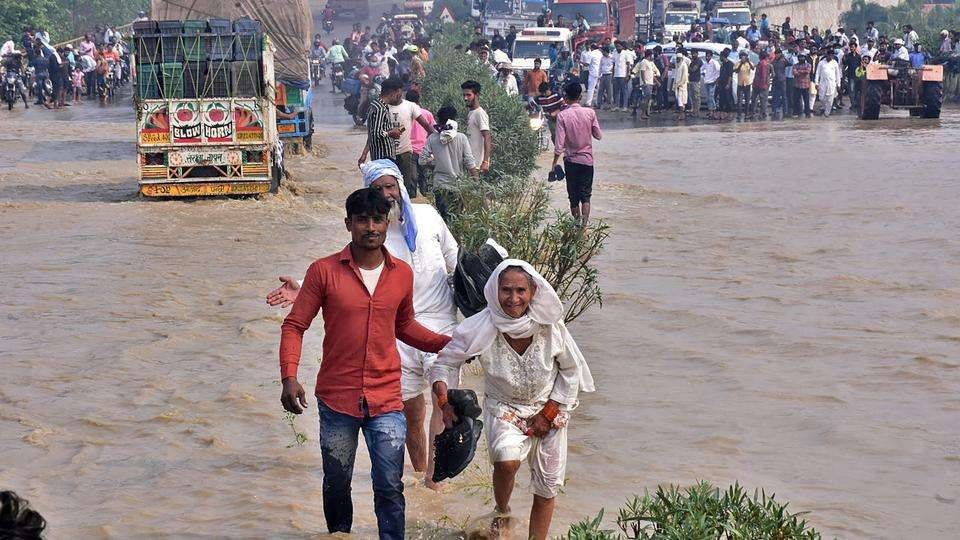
{"type": "Point", "coordinates": [419, 236]}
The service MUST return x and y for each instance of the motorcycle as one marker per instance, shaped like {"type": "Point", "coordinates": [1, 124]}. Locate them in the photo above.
{"type": "Point", "coordinates": [336, 77]}
{"type": "Point", "coordinates": [328, 26]}
{"type": "Point", "coordinates": [107, 89]}
{"type": "Point", "coordinates": [43, 92]}
{"type": "Point", "coordinates": [12, 88]}
{"type": "Point", "coordinates": [317, 71]}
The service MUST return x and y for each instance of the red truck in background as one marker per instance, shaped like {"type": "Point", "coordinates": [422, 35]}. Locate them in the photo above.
{"type": "Point", "coordinates": [597, 13]}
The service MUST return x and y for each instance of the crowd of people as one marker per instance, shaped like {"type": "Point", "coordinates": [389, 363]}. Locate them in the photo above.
{"type": "Point", "coordinates": [763, 72]}
{"type": "Point", "coordinates": [411, 150]}
{"type": "Point", "coordinates": [57, 77]}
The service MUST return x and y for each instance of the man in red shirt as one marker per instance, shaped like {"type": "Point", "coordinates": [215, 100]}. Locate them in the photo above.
{"type": "Point", "coordinates": [367, 300]}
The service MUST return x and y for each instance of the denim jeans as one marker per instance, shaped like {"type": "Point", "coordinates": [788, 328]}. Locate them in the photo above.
{"type": "Point", "coordinates": [779, 99]}
{"type": "Point", "coordinates": [605, 96]}
{"type": "Point", "coordinates": [711, 90]}
{"type": "Point", "coordinates": [620, 92]}
{"type": "Point", "coordinates": [385, 435]}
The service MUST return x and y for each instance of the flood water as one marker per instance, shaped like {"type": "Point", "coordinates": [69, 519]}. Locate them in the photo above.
{"type": "Point", "coordinates": [781, 307]}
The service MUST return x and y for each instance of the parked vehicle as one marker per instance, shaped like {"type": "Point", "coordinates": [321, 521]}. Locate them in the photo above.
{"type": "Point", "coordinates": [597, 13]}
{"type": "Point", "coordinates": [737, 13]}
{"type": "Point", "coordinates": [533, 43]}
{"type": "Point", "coordinates": [898, 85]}
{"type": "Point", "coordinates": [679, 16]}
{"type": "Point", "coordinates": [500, 15]}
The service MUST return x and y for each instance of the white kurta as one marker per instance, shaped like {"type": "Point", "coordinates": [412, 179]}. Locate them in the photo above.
{"type": "Point", "coordinates": [516, 387]}
{"type": "Point", "coordinates": [433, 262]}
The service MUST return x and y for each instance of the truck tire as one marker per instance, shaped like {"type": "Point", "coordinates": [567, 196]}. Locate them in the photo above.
{"type": "Point", "coordinates": [870, 108]}
{"type": "Point", "coordinates": [932, 99]}
{"type": "Point", "coordinates": [276, 173]}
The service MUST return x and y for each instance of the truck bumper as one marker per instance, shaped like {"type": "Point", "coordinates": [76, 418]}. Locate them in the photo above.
{"type": "Point", "coordinates": [203, 189]}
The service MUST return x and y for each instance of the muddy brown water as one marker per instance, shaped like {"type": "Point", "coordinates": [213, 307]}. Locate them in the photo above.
{"type": "Point", "coordinates": [781, 308]}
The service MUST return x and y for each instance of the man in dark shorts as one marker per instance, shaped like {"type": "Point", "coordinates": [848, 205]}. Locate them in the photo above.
{"type": "Point", "coordinates": [576, 128]}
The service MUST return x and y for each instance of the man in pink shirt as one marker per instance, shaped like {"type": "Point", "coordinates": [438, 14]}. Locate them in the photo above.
{"type": "Point", "coordinates": [418, 139]}
{"type": "Point", "coordinates": [576, 127]}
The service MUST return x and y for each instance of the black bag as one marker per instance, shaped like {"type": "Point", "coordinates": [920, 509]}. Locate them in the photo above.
{"type": "Point", "coordinates": [455, 447]}
{"type": "Point", "coordinates": [473, 271]}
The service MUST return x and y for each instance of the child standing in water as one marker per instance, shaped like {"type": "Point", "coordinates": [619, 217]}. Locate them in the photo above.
{"type": "Point", "coordinates": [76, 78]}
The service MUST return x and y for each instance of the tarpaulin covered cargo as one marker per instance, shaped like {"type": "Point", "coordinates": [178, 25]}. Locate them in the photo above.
{"type": "Point", "coordinates": [289, 24]}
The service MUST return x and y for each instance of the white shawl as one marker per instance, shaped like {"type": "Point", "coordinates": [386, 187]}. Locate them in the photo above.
{"type": "Point", "coordinates": [476, 334]}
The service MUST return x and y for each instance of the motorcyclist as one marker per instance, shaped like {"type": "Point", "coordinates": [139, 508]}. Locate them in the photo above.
{"type": "Point", "coordinates": [13, 63]}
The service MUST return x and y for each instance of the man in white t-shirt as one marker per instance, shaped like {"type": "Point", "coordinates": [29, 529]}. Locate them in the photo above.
{"type": "Point", "coordinates": [404, 115]}
{"type": "Point", "coordinates": [621, 75]}
{"type": "Point", "coordinates": [478, 125]}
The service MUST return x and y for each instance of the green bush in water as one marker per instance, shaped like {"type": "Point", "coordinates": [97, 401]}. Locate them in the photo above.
{"type": "Point", "coordinates": [515, 145]}
{"type": "Point", "coordinates": [700, 512]}
{"type": "Point", "coordinates": [507, 204]}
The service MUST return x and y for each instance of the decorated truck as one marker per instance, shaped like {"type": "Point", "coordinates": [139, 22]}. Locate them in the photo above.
{"type": "Point", "coordinates": [207, 96]}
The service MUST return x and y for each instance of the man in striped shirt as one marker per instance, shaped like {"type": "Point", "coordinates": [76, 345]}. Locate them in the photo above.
{"type": "Point", "coordinates": [382, 132]}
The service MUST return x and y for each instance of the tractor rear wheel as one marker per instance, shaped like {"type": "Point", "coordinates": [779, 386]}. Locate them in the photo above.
{"type": "Point", "coordinates": [870, 102]}
{"type": "Point", "coordinates": [932, 99]}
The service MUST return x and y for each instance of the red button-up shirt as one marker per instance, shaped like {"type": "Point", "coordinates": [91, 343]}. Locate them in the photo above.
{"type": "Point", "coordinates": [360, 358]}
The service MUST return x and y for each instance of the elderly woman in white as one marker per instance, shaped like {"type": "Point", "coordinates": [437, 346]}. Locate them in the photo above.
{"type": "Point", "coordinates": [534, 372]}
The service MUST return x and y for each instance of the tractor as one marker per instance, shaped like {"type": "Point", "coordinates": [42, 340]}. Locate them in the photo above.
{"type": "Point", "coordinates": [901, 86]}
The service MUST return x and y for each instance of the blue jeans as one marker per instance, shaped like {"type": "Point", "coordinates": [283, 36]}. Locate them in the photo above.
{"type": "Point", "coordinates": [779, 98]}
{"type": "Point", "coordinates": [711, 90]}
{"type": "Point", "coordinates": [385, 435]}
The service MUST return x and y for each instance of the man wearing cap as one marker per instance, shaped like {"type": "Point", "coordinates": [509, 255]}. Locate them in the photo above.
{"type": "Point", "coordinates": [946, 45]}
{"type": "Point", "coordinates": [900, 51]}
{"type": "Point", "coordinates": [418, 236]}
{"type": "Point", "coordinates": [871, 49]}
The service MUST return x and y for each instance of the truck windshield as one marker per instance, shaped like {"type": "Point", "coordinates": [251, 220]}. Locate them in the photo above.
{"type": "Point", "coordinates": [531, 49]}
{"type": "Point", "coordinates": [735, 17]}
{"type": "Point", "coordinates": [594, 13]}
{"type": "Point", "coordinates": [533, 8]}
{"type": "Point", "coordinates": [680, 18]}
{"type": "Point", "coordinates": [498, 6]}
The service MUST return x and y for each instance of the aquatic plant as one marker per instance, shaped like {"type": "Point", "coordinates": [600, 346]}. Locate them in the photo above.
{"type": "Point", "coordinates": [700, 512]}
{"type": "Point", "coordinates": [299, 438]}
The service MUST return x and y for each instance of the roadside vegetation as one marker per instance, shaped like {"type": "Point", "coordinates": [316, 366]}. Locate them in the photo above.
{"type": "Point", "coordinates": [891, 20]}
{"type": "Point", "coordinates": [65, 19]}
{"type": "Point", "coordinates": [699, 512]}
{"type": "Point", "coordinates": [508, 204]}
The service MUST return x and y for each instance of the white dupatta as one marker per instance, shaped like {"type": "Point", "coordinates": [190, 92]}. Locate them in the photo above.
{"type": "Point", "coordinates": [475, 335]}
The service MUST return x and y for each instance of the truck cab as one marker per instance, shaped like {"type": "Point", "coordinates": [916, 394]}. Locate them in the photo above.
{"type": "Point", "coordinates": [678, 17]}
{"type": "Point", "coordinates": [737, 13]}
{"type": "Point", "coordinates": [502, 14]}
{"type": "Point", "coordinates": [597, 13]}
{"type": "Point", "coordinates": [533, 43]}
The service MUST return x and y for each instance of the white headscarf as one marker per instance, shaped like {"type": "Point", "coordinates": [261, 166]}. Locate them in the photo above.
{"type": "Point", "coordinates": [476, 334]}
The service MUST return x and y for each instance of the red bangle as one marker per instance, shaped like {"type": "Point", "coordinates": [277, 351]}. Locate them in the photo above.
{"type": "Point", "coordinates": [551, 410]}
